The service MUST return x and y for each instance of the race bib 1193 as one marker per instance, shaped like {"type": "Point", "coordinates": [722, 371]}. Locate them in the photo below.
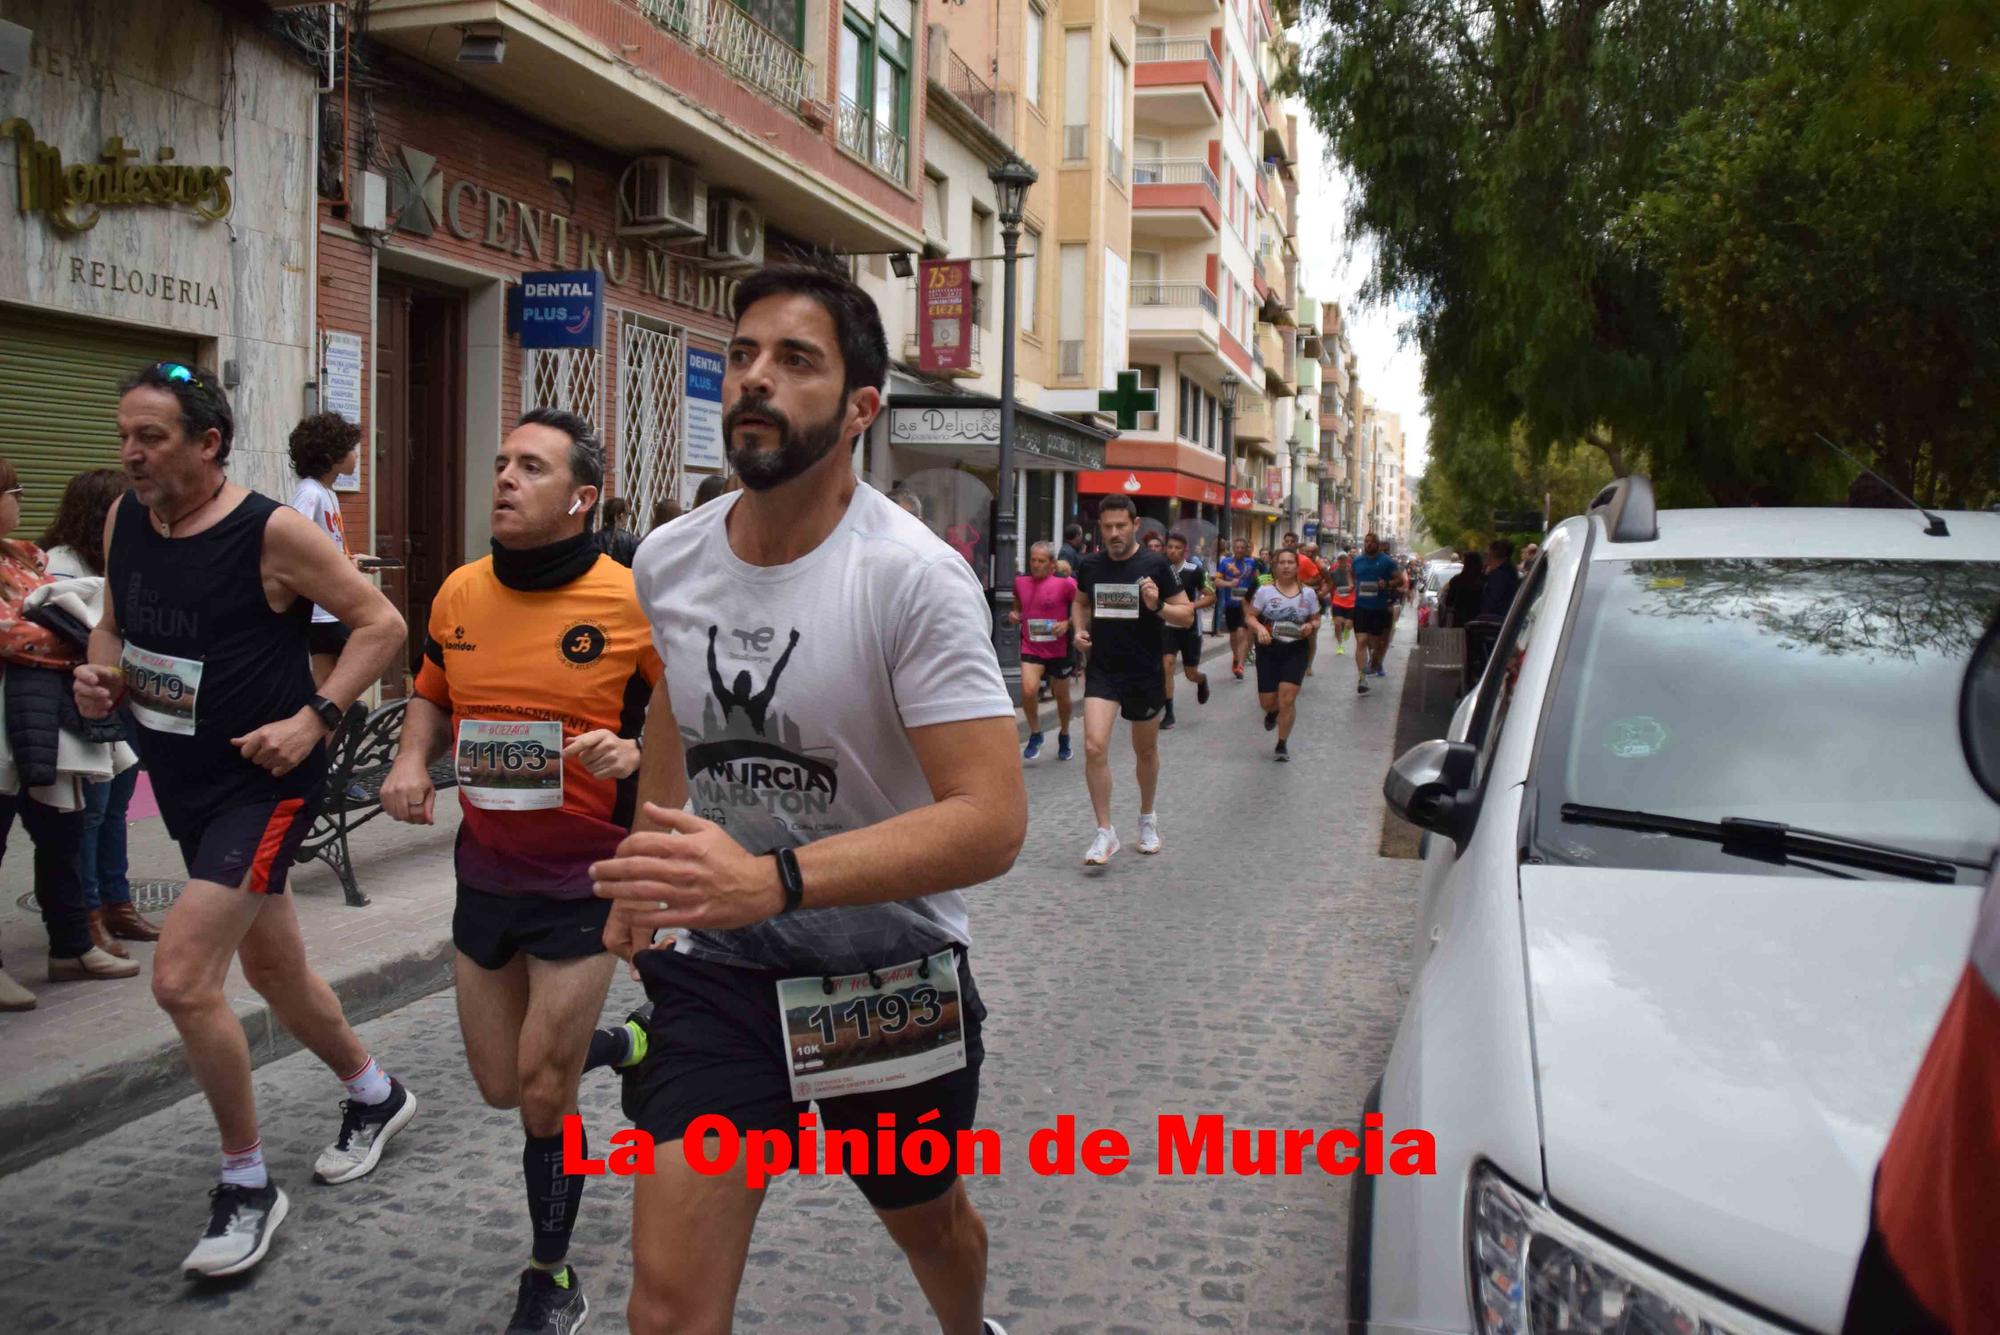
{"type": "Point", "coordinates": [857, 1033]}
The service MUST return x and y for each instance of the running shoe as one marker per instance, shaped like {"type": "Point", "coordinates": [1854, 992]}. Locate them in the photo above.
{"type": "Point", "coordinates": [1237, 668]}
{"type": "Point", "coordinates": [1282, 755]}
{"type": "Point", "coordinates": [1380, 671]}
{"type": "Point", "coordinates": [1062, 746]}
{"type": "Point", "coordinates": [1340, 650]}
{"type": "Point", "coordinates": [241, 1223]}
{"type": "Point", "coordinates": [549, 1303]}
{"type": "Point", "coordinates": [1101, 848]}
{"type": "Point", "coordinates": [1201, 690]}
{"type": "Point", "coordinates": [1034, 747]}
{"type": "Point", "coordinates": [1361, 685]}
{"type": "Point", "coordinates": [1149, 834]}
{"type": "Point", "coordinates": [365, 1129]}
{"type": "Point", "coordinates": [1167, 722]}
{"type": "Point", "coordinates": [991, 1327]}
{"type": "Point", "coordinates": [1270, 720]}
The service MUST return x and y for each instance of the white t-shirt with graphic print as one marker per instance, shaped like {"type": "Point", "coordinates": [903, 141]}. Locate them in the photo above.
{"type": "Point", "coordinates": [316, 501]}
{"type": "Point", "coordinates": [793, 686]}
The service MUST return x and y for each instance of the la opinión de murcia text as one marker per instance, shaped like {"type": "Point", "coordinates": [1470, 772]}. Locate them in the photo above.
{"type": "Point", "coordinates": [1201, 1146]}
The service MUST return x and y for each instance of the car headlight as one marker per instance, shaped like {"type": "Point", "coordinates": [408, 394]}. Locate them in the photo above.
{"type": "Point", "coordinates": [1536, 1273]}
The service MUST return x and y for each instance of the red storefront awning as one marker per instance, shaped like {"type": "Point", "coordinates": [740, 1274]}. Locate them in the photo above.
{"type": "Point", "coordinates": [1152, 482]}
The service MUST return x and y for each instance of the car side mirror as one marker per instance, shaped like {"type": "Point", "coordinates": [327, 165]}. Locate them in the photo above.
{"type": "Point", "coordinates": [1430, 786]}
{"type": "Point", "coordinates": [1979, 712]}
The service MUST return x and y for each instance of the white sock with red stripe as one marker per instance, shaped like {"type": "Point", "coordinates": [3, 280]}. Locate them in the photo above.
{"type": "Point", "coordinates": [368, 1085]}
{"type": "Point", "coordinates": [245, 1168]}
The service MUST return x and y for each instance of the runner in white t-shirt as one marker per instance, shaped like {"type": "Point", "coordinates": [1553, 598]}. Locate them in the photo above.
{"type": "Point", "coordinates": [1283, 616]}
{"type": "Point", "coordinates": [834, 721]}
{"type": "Point", "coordinates": [323, 447]}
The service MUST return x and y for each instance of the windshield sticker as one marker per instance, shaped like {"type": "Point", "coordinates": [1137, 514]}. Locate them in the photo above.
{"type": "Point", "coordinates": [1667, 582]}
{"type": "Point", "coordinates": [1636, 738]}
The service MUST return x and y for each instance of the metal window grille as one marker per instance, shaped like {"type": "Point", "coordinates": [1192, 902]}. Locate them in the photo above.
{"type": "Point", "coordinates": [1071, 351]}
{"type": "Point", "coordinates": [1076, 143]}
{"type": "Point", "coordinates": [567, 378]}
{"type": "Point", "coordinates": [650, 420]}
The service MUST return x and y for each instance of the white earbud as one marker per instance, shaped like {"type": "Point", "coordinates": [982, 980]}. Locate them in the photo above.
{"type": "Point", "coordinates": [576, 505]}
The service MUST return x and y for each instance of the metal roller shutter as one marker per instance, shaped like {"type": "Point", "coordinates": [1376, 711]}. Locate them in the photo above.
{"type": "Point", "coordinates": [59, 399]}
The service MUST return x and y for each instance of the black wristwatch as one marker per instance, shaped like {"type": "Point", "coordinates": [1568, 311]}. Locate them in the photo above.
{"type": "Point", "coordinates": [789, 879]}
{"type": "Point", "coordinates": [329, 713]}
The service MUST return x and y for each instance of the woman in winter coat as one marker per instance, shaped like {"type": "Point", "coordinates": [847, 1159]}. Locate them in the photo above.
{"type": "Point", "coordinates": [73, 548]}
{"type": "Point", "coordinates": [55, 826]}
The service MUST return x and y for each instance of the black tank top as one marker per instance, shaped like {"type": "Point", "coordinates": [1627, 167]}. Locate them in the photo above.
{"type": "Point", "coordinates": [202, 640]}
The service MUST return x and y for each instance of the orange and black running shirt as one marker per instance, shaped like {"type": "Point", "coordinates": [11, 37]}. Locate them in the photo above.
{"type": "Point", "coordinates": [511, 666]}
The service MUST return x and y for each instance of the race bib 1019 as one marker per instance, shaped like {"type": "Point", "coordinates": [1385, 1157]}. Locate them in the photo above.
{"type": "Point", "coordinates": [161, 689]}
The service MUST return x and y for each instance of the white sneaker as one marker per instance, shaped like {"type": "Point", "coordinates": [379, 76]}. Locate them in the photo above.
{"type": "Point", "coordinates": [1149, 834]}
{"type": "Point", "coordinates": [992, 1327]}
{"type": "Point", "coordinates": [365, 1130]}
{"type": "Point", "coordinates": [1101, 848]}
{"type": "Point", "coordinates": [241, 1223]}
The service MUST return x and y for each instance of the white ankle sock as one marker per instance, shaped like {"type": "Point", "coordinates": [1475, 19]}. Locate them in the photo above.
{"type": "Point", "coordinates": [245, 1168]}
{"type": "Point", "coordinates": [368, 1085]}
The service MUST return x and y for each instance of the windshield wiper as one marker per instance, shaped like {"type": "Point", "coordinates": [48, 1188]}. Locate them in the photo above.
{"type": "Point", "coordinates": [1775, 840]}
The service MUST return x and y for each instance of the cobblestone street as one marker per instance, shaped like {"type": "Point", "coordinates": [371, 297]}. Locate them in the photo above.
{"type": "Point", "coordinates": [1253, 970]}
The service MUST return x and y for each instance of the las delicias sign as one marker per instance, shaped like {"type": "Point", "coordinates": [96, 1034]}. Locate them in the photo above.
{"type": "Point", "coordinates": [63, 191]}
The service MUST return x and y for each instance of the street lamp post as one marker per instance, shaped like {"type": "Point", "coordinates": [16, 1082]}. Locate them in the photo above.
{"type": "Point", "coordinates": [1230, 384]}
{"type": "Point", "coordinates": [1011, 180]}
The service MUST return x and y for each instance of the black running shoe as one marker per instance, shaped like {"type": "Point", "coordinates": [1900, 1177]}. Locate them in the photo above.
{"type": "Point", "coordinates": [241, 1223]}
{"type": "Point", "coordinates": [1270, 720]}
{"type": "Point", "coordinates": [1201, 690]}
{"type": "Point", "coordinates": [1282, 755]}
{"type": "Point", "coordinates": [547, 1305]}
{"type": "Point", "coordinates": [1167, 722]}
{"type": "Point", "coordinates": [1361, 686]}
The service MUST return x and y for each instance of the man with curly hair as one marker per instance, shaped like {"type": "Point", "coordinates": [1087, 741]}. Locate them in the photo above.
{"type": "Point", "coordinates": [323, 447]}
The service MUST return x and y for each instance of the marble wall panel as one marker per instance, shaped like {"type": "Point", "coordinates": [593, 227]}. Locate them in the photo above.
{"type": "Point", "coordinates": [189, 76]}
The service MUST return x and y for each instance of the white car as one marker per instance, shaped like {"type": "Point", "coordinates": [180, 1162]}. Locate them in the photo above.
{"type": "Point", "coordinates": [1658, 1030]}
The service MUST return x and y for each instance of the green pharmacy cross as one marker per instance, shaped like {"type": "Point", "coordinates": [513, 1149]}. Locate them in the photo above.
{"type": "Point", "coordinates": [1127, 401]}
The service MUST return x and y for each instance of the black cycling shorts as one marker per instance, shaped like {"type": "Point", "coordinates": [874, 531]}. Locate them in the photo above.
{"type": "Point", "coordinates": [1185, 643]}
{"type": "Point", "coordinates": [249, 847]}
{"type": "Point", "coordinates": [1282, 661]}
{"type": "Point", "coordinates": [1232, 617]}
{"type": "Point", "coordinates": [491, 929]}
{"type": "Point", "coordinates": [1056, 669]}
{"type": "Point", "coordinates": [1140, 699]}
{"type": "Point", "coordinates": [716, 1045]}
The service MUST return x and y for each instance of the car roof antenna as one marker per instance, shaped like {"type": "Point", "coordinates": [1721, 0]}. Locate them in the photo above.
{"type": "Point", "coordinates": [1935, 528]}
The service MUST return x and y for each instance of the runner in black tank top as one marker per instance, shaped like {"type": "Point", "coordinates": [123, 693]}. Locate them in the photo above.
{"type": "Point", "coordinates": [201, 600]}
{"type": "Point", "coordinates": [219, 688]}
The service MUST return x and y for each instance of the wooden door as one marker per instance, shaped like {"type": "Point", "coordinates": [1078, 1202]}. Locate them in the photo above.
{"type": "Point", "coordinates": [436, 450]}
{"type": "Point", "coordinates": [392, 457]}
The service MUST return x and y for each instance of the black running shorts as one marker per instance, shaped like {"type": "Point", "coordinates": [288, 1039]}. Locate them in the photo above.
{"type": "Point", "coordinates": [491, 929]}
{"type": "Point", "coordinates": [715, 1045]}
{"type": "Point", "coordinates": [1232, 617]}
{"type": "Point", "coordinates": [1056, 669]}
{"type": "Point", "coordinates": [249, 847]}
{"type": "Point", "coordinates": [1139, 698]}
{"type": "Point", "coordinates": [1371, 621]}
{"type": "Point", "coordinates": [1282, 661]}
{"type": "Point", "coordinates": [1186, 643]}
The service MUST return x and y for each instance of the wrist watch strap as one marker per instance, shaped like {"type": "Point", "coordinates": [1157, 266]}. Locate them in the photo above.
{"type": "Point", "coordinates": [789, 879]}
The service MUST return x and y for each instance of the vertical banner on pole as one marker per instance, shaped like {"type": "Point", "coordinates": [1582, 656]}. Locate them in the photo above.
{"type": "Point", "coordinates": [944, 315]}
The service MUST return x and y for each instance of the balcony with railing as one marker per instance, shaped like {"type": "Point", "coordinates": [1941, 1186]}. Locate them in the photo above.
{"type": "Point", "coordinates": [979, 97]}
{"type": "Point", "coordinates": [876, 144]}
{"type": "Point", "coordinates": [1175, 197]}
{"type": "Point", "coordinates": [1272, 342]}
{"type": "Point", "coordinates": [1176, 81]}
{"type": "Point", "coordinates": [732, 39]}
{"type": "Point", "coordinates": [1165, 316]}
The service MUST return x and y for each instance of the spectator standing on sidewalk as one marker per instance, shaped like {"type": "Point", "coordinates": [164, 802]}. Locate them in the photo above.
{"type": "Point", "coordinates": [614, 539]}
{"type": "Point", "coordinates": [74, 546]}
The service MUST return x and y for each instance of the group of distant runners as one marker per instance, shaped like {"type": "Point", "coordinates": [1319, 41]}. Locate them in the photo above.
{"type": "Point", "coordinates": [1127, 617]}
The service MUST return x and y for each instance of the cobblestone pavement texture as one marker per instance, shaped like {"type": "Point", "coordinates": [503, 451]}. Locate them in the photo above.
{"type": "Point", "coordinates": [1254, 969]}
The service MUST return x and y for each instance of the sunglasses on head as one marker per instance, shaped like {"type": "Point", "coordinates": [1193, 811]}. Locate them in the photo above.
{"type": "Point", "coordinates": [175, 371]}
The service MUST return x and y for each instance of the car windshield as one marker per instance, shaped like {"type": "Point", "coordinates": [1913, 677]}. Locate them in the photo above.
{"type": "Point", "coordinates": [1819, 693]}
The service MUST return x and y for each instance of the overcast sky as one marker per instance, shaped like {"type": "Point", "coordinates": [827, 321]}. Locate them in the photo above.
{"type": "Point", "coordinates": [1391, 373]}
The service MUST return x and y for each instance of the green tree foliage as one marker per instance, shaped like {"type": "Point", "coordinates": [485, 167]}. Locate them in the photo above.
{"type": "Point", "coordinates": [1668, 228]}
{"type": "Point", "coordinates": [1473, 478]}
{"type": "Point", "coordinates": [1832, 231]}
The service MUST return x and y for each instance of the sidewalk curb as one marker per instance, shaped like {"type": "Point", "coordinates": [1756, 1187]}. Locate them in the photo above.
{"type": "Point", "coordinates": [70, 1107]}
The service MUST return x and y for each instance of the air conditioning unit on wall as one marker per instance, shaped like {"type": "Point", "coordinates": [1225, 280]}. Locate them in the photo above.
{"type": "Point", "coordinates": [662, 196]}
{"type": "Point", "coordinates": [735, 234]}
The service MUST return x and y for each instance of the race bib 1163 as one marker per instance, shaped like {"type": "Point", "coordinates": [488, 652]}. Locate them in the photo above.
{"type": "Point", "coordinates": [511, 766]}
